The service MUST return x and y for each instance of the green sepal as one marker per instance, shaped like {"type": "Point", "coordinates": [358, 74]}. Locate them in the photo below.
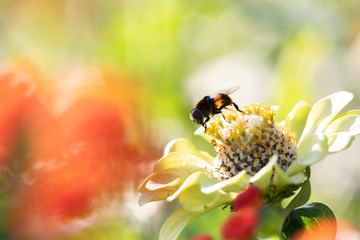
{"type": "Point", "coordinates": [300, 199]}
{"type": "Point", "coordinates": [233, 184]}
{"type": "Point", "coordinates": [274, 183]}
{"type": "Point", "coordinates": [262, 179]}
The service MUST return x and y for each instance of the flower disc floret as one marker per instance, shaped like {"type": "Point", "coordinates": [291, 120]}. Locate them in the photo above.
{"type": "Point", "coordinates": [247, 141]}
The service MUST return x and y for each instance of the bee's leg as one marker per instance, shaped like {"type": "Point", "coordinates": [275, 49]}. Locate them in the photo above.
{"type": "Point", "coordinates": [204, 123]}
{"type": "Point", "coordinates": [218, 110]}
{"type": "Point", "coordinates": [237, 108]}
{"type": "Point", "coordinates": [224, 117]}
{"type": "Point", "coordinates": [206, 120]}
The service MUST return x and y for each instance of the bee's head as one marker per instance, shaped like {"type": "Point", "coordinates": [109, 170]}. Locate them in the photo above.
{"type": "Point", "coordinates": [196, 116]}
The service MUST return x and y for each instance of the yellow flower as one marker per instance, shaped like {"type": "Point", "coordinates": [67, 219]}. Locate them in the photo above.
{"type": "Point", "coordinates": [251, 148]}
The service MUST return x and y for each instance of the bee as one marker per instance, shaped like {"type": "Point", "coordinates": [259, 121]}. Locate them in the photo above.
{"type": "Point", "coordinates": [211, 105]}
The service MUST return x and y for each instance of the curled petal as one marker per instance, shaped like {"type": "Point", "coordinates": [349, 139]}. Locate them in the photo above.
{"type": "Point", "coordinates": [351, 112]}
{"type": "Point", "coordinates": [177, 221]}
{"type": "Point", "coordinates": [152, 197]}
{"type": "Point", "coordinates": [186, 162]}
{"type": "Point", "coordinates": [348, 123]}
{"type": "Point", "coordinates": [324, 111]}
{"type": "Point", "coordinates": [339, 141]}
{"type": "Point", "coordinates": [296, 119]}
{"type": "Point", "coordinates": [312, 149]}
{"type": "Point", "coordinates": [162, 179]}
{"type": "Point", "coordinates": [194, 179]}
{"type": "Point", "coordinates": [193, 200]}
{"type": "Point", "coordinates": [182, 145]}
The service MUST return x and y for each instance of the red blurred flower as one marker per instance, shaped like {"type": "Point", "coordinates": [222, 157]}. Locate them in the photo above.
{"type": "Point", "coordinates": [251, 197]}
{"type": "Point", "coordinates": [241, 225]}
{"type": "Point", "coordinates": [202, 237]}
{"type": "Point", "coordinates": [66, 162]}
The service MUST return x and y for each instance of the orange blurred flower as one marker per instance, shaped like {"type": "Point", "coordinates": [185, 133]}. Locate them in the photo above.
{"type": "Point", "coordinates": [67, 161]}
{"type": "Point", "coordinates": [323, 230]}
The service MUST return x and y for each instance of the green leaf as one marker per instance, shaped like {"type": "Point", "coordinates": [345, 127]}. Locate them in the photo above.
{"type": "Point", "coordinates": [306, 217]}
{"type": "Point", "coordinates": [348, 123]}
{"type": "Point", "coordinates": [296, 119]}
{"type": "Point", "coordinates": [177, 221]}
{"type": "Point", "coordinates": [295, 168]}
{"type": "Point", "coordinates": [183, 145]}
{"type": "Point", "coordinates": [182, 161]}
{"type": "Point", "coordinates": [324, 111]}
{"type": "Point", "coordinates": [282, 181]}
{"type": "Point", "coordinates": [300, 199]}
{"type": "Point", "coordinates": [339, 141]}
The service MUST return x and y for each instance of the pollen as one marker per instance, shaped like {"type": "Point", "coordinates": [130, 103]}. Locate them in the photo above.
{"type": "Point", "coordinates": [247, 141]}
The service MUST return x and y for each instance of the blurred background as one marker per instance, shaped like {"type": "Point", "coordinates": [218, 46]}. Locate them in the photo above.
{"type": "Point", "coordinates": [91, 91]}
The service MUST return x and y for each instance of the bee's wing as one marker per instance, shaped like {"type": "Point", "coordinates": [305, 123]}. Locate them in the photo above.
{"type": "Point", "coordinates": [228, 91]}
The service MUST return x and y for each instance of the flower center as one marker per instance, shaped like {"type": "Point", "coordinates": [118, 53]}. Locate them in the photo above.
{"type": "Point", "coordinates": [247, 141]}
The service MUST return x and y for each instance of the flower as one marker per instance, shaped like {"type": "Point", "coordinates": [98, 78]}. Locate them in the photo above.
{"type": "Point", "coordinates": [58, 168]}
{"type": "Point", "coordinates": [247, 142]}
{"type": "Point", "coordinates": [251, 197]}
{"type": "Point", "coordinates": [251, 148]}
{"type": "Point", "coordinates": [241, 225]}
{"type": "Point", "coordinates": [323, 230]}
{"type": "Point", "coordinates": [202, 237]}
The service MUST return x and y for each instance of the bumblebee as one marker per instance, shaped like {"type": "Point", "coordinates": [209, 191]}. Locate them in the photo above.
{"type": "Point", "coordinates": [211, 105]}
